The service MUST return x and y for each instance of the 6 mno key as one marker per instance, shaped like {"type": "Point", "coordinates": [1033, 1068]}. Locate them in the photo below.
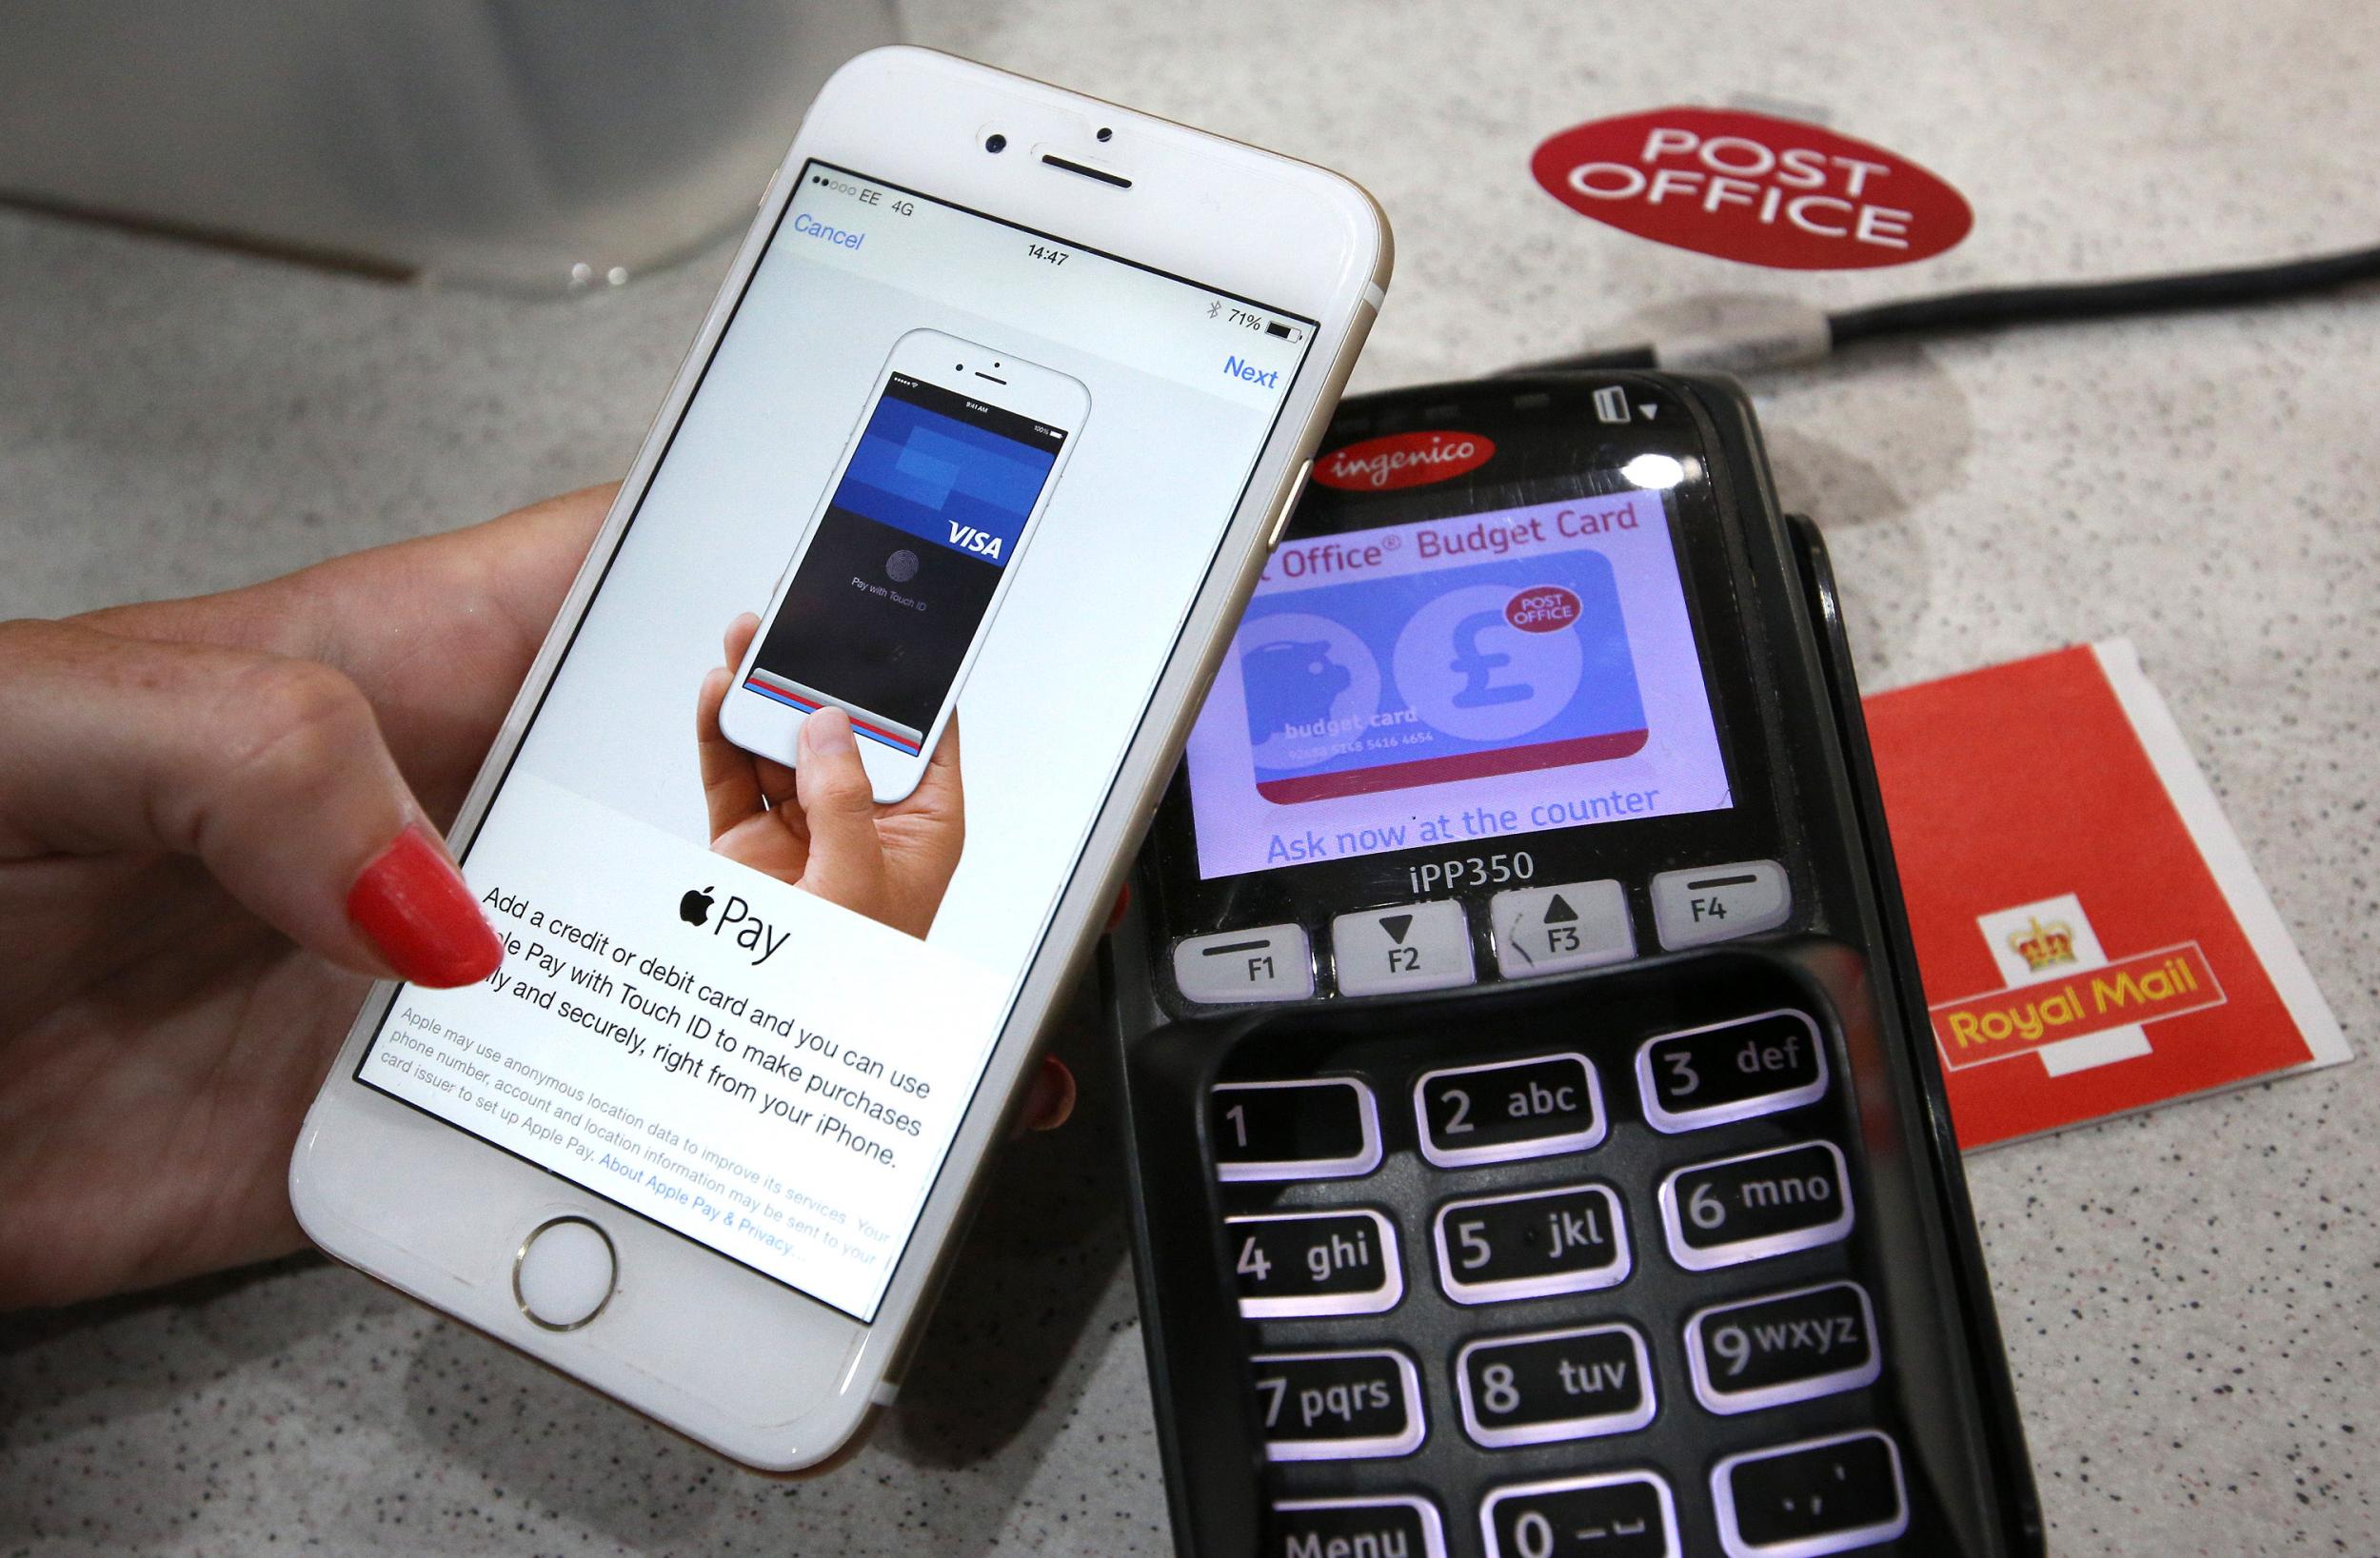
{"type": "Point", "coordinates": [1740, 1209]}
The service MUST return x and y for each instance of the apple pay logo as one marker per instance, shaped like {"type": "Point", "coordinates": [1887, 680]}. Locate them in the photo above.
{"type": "Point", "coordinates": [736, 917]}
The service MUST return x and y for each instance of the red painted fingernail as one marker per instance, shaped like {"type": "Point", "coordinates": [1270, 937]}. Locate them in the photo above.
{"type": "Point", "coordinates": [412, 904]}
{"type": "Point", "coordinates": [1053, 1094]}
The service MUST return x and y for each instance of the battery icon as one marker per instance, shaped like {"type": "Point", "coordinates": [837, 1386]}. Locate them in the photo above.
{"type": "Point", "coordinates": [1286, 332]}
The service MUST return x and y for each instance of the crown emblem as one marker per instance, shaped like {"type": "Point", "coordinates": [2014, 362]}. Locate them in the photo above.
{"type": "Point", "coordinates": [2041, 945]}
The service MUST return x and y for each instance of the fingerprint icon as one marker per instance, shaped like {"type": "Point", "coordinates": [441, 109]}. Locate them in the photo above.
{"type": "Point", "coordinates": [901, 566]}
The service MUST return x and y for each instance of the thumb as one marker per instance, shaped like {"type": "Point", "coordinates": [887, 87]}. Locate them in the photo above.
{"type": "Point", "coordinates": [271, 771]}
{"type": "Point", "coordinates": [846, 863]}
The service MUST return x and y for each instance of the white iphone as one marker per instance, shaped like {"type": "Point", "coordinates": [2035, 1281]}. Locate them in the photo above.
{"type": "Point", "coordinates": [916, 538]}
{"type": "Point", "coordinates": [993, 423]}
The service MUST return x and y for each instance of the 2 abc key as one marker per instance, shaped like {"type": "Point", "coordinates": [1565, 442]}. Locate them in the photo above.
{"type": "Point", "coordinates": [1760, 1204]}
{"type": "Point", "coordinates": [1508, 1110]}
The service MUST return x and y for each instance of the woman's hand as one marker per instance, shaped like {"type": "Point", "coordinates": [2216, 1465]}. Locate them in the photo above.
{"type": "Point", "coordinates": [218, 818]}
{"type": "Point", "coordinates": [818, 827]}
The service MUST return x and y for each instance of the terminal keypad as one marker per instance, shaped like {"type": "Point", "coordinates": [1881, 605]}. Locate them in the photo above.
{"type": "Point", "coordinates": [1557, 1255]}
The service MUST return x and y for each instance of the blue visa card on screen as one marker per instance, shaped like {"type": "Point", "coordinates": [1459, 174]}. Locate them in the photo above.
{"type": "Point", "coordinates": [1430, 677]}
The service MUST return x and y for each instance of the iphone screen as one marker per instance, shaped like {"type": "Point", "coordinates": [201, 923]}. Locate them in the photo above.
{"type": "Point", "coordinates": [700, 1017]}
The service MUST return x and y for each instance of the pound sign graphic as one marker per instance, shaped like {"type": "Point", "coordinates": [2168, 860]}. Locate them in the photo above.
{"type": "Point", "coordinates": [1473, 665]}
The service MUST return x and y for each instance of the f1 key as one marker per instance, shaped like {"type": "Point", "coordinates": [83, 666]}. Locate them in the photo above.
{"type": "Point", "coordinates": [1512, 1109]}
{"type": "Point", "coordinates": [1327, 1129]}
{"type": "Point", "coordinates": [1731, 1071]}
{"type": "Point", "coordinates": [1788, 1347]}
{"type": "Point", "coordinates": [1293, 1263]}
{"type": "Point", "coordinates": [1338, 1406]}
{"type": "Point", "coordinates": [1760, 1204]}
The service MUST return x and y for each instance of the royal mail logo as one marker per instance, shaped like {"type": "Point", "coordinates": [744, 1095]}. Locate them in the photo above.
{"type": "Point", "coordinates": [2126, 994]}
{"type": "Point", "coordinates": [1403, 460]}
{"type": "Point", "coordinates": [2043, 946]}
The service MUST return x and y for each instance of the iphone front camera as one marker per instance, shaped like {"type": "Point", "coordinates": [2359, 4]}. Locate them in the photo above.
{"type": "Point", "coordinates": [1107, 134]}
{"type": "Point", "coordinates": [994, 143]}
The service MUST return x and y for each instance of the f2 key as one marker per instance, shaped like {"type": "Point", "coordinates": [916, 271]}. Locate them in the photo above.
{"type": "Point", "coordinates": [1731, 1071]}
{"type": "Point", "coordinates": [1512, 1109]}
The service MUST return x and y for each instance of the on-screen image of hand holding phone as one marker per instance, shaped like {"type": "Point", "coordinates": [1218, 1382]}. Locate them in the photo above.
{"type": "Point", "coordinates": [906, 559]}
{"type": "Point", "coordinates": [819, 826]}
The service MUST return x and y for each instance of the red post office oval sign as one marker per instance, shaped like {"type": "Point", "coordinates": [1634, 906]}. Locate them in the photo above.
{"type": "Point", "coordinates": [1548, 608]}
{"type": "Point", "coordinates": [1403, 460]}
{"type": "Point", "coordinates": [1751, 188]}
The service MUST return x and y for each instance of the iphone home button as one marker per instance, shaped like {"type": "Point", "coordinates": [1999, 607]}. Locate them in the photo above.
{"type": "Point", "coordinates": [562, 1275]}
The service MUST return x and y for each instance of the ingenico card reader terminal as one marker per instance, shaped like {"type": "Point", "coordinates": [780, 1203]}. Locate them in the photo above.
{"type": "Point", "coordinates": [1537, 1147]}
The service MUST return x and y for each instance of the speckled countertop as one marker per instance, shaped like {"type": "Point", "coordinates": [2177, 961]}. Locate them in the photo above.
{"type": "Point", "coordinates": [2191, 1297]}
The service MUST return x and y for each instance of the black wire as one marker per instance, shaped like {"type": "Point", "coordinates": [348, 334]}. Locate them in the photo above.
{"type": "Point", "coordinates": [1998, 308]}
{"type": "Point", "coordinates": [1618, 357]}
{"type": "Point", "coordinates": [1991, 307]}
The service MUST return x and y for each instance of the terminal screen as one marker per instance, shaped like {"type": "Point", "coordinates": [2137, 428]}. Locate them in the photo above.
{"type": "Point", "coordinates": [1454, 681]}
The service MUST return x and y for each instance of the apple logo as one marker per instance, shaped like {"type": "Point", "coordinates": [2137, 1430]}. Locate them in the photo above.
{"type": "Point", "coordinates": [695, 908]}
